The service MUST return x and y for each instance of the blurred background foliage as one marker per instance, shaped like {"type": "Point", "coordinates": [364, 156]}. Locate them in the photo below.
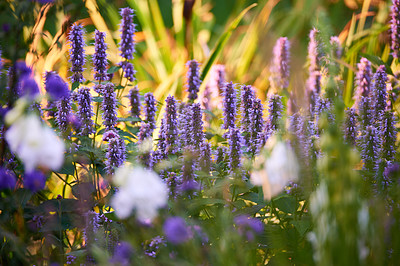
{"type": "Point", "coordinates": [171, 32]}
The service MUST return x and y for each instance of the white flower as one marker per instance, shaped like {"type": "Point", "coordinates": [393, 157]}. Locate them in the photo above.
{"type": "Point", "coordinates": [35, 143]}
{"type": "Point", "coordinates": [140, 189]}
{"type": "Point", "coordinates": [279, 169]}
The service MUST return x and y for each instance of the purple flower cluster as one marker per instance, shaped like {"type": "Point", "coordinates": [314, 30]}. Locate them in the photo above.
{"type": "Point", "coordinates": [248, 97]}
{"type": "Point", "coordinates": [134, 98]}
{"type": "Point", "coordinates": [123, 254]}
{"type": "Point", "coordinates": [314, 51]}
{"type": "Point", "coordinates": [235, 149]}
{"type": "Point", "coordinates": [379, 92]}
{"type": "Point", "coordinates": [280, 67]}
{"type": "Point", "coordinates": [63, 113]}
{"type": "Point", "coordinates": [248, 226]}
{"type": "Point", "coordinates": [193, 79]}
{"type": "Point", "coordinates": [388, 136]}
{"type": "Point", "coordinates": [100, 56]}
{"type": "Point", "coordinates": [115, 155]}
{"type": "Point", "coordinates": [34, 180]}
{"type": "Point", "coordinates": [85, 112]}
{"type": "Point", "coordinates": [55, 86]}
{"type": "Point", "coordinates": [370, 148]}
{"type": "Point", "coordinates": [256, 126]}
{"type": "Point", "coordinates": [150, 110]}
{"type": "Point", "coordinates": [176, 231]}
{"type": "Point", "coordinates": [395, 28]}
{"type": "Point", "coordinates": [76, 52]}
{"type": "Point", "coordinates": [205, 157]}
{"type": "Point", "coordinates": [7, 179]}
{"type": "Point", "coordinates": [153, 247]}
{"type": "Point", "coordinates": [350, 126]}
{"type": "Point", "coordinates": [363, 80]}
{"type": "Point", "coordinates": [229, 105]}
{"type": "Point", "coordinates": [171, 125]}
{"type": "Point", "coordinates": [127, 43]}
{"type": "Point", "coordinates": [196, 134]}
{"type": "Point", "coordinates": [275, 109]}
{"type": "Point", "coordinates": [109, 106]}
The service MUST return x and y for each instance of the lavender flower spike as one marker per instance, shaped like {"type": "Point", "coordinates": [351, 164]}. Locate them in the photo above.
{"type": "Point", "coordinates": [395, 28]}
{"type": "Point", "coordinates": [235, 149]}
{"type": "Point", "coordinates": [134, 98]}
{"type": "Point", "coordinates": [280, 67]}
{"type": "Point", "coordinates": [350, 126]}
{"type": "Point", "coordinates": [337, 49]}
{"type": "Point", "coordinates": [76, 52]}
{"type": "Point", "coordinates": [63, 113]}
{"type": "Point", "coordinates": [55, 86]}
{"type": "Point", "coordinates": [171, 125]}
{"type": "Point", "coordinates": [379, 92]}
{"type": "Point", "coordinates": [275, 114]}
{"type": "Point", "coordinates": [370, 148]}
{"type": "Point", "coordinates": [229, 105]}
{"type": "Point", "coordinates": [115, 155]}
{"type": "Point", "coordinates": [150, 110]}
{"type": "Point", "coordinates": [388, 136]}
{"type": "Point", "coordinates": [100, 56]}
{"type": "Point", "coordinates": [127, 28]}
{"type": "Point", "coordinates": [256, 126]}
{"type": "Point", "coordinates": [314, 51]}
{"type": "Point", "coordinates": [109, 106]}
{"type": "Point", "coordinates": [196, 126]}
{"type": "Point", "coordinates": [193, 79]}
{"type": "Point", "coordinates": [363, 79]}
{"type": "Point", "coordinates": [248, 96]}
{"type": "Point", "coordinates": [85, 111]}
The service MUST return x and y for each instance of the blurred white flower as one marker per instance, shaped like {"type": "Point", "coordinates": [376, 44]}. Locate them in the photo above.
{"type": "Point", "coordinates": [279, 169]}
{"type": "Point", "coordinates": [35, 143]}
{"type": "Point", "coordinates": [140, 189]}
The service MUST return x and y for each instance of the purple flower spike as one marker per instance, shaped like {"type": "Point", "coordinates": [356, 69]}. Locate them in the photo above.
{"type": "Point", "coordinates": [193, 79]}
{"type": "Point", "coordinates": [313, 89]}
{"type": "Point", "coordinates": [7, 179]}
{"type": "Point", "coordinates": [247, 226]}
{"type": "Point", "coordinates": [109, 106]}
{"type": "Point", "coordinates": [370, 148]}
{"type": "Point", "coordinates": [379, 92]}
{"type": "Point", "coordinates": [205, 157]}
{"type": "Point", "coordinates": [127, 28]}
{"type": "Point", "coordinates": [388, 136]}
{"type": "Point", "coordinates": [171, 125]}
{"type": "Point", "coordinates": [100, 56]}
{"type": "Point", "coordinates": [134, 98]}
{"type": "Point", "coordinates": [363, 79]}
{"type": "Point", "coordinates": [76, 52]}
{"type": "Point", "coordinates": [150, 110]}
{"type": "Point", "coordinates": [196, 126]}
{"type": "Point", "coordinates": [229, 105]}
{"type": "Point", "coordinates": [85, 112]}
{"type": "Point", "coordinates": [184, 124]}
{"type": "Point", "coordinates": [256, 126]}
{"type": "Point", "coordinates": [29, 87]}
{"type": "Point", "coordinates": [123, 254]}
{"type": "Point", "coordinates": [248, 96]}
{"type": "Point", "coordinates": [176, 230]}
{"type": "Point", "coordinates": [34, 181]}
{"type": "Point", "coordinates": [55, 86]}
{"type": "Point", "coordinates": [275, 109]}
{"type": "Point", "coordinates": [314, 51]}
{"type": "Point", "coordinates": [280, 67]}
{"type": "Point", "coordinates": [63, 113]}
{"type": "Point", "coordinates": [337, 49]}
{"type": "Point", "coordinates": [235, 149]}
{"type": "Point", "coordinates": [161, 152]}
{"type": "Point", "coordinates": [129, 70]}
{"type": "Point", "coordinates": [395, 28]}
{"type": "Point", "coordinates": [115, 155]}
{"type": "Point", "coordinates": [350, 126]}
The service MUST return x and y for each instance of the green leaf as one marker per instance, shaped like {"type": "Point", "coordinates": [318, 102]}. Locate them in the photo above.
{"type": "Point", "coordinates": [286, 204]}
{"type": "Point", "coordinates": [222, 41]}
{"type": "Point", "coordinates": [129, 119]}
{"type": "Point", "coordinates": [75, 85]}
{"type": "Point", "coordinates": [113, 69]}
{"type": "Point", "coordinates": [97, 99]}
{"type": "Point", "coordinates": [302, 226]}
{"type": "Point", "coordinates": [67, 169]}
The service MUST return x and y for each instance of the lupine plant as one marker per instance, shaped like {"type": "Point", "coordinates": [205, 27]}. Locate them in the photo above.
{"type": "Point", "coordinates": [95, 168]}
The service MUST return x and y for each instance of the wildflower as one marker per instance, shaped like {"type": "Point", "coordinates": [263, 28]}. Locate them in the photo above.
{"type": "Point", "coordinates": [388, 136]}
{"type": "Point", "coordinates": [314, 51]}
{"type": "Point", "coordinates": [139, 189]}
{"type": "Point", "coordinates": [395, 28]}
{"type": "Point", "coordinates": [77, 52]}
{"type": "Point", "coordinates": [55, 86]}
{"type": "Point", "coordinates": [153, 247]}
{"type": "Point", "coordinates": [127, 29]}
{"type": "Point", "coordinates": [350, 126]}
{"type": "Point", "coordinates": [235, 149]}
{"type": "Point", "coordinates": [196, 126]}
{"type": "Point", "coordinates": [205, 157]}
{"type": "Point", "coordinates": [176, 230]}
{"type": "Point", "coordinates": [63, 113]}
{"type": "Point", "coordinates": [29, 87]}
{"type": "Point", "coordinates": [370, 148]}
{"type": "Point", "coordinates": [171, 125]}
{"type": "Point", "coordinates": [35, 144]}
{"type": "Point", "coordinates": [109, 106]}
{"type": "Point", "coordinates": [34, 180]}
{"type": "Point", "coordinates": [229, 105]}
{"type": "Point", "coordinates": [85, 111]}
{"type": "Point", "coordinates": [211, 98]}
{"type": "Point", "coordinates": [100, 56]}
{"type": "Point", "coordinates": [279, 169]}
{"type": "Point", "coordinates": [363, 80]}
{"type": "Point", "coordinates": [134, 98]}
{"type": "Point", "coordinates": [379, 92]}
{"type": "Point", "coordinates": [280, 66]}
{"type": "Point", "coordinates": [275, 109]}
{"type": "Point", "coordinates": [161, 152]}
{"type": "Point", "coordinates": [256, 126]}
{"type": "Point", "coordinates": [150, 110]}
{"type": "Point", "coordinates": [248, 96]}
{"type": "Point", "coordinates": [193, 79]}
{"type": "Point", "coordinates": [247, 226]}
{"type": "Point", "coordinates": [7, 179]}
{"type": "Point", "coordinates": [184, 125]}
{"type": "Point", "coordinates": [115, 155]}
{"type": "Point", "coordinates": [337, 49]}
